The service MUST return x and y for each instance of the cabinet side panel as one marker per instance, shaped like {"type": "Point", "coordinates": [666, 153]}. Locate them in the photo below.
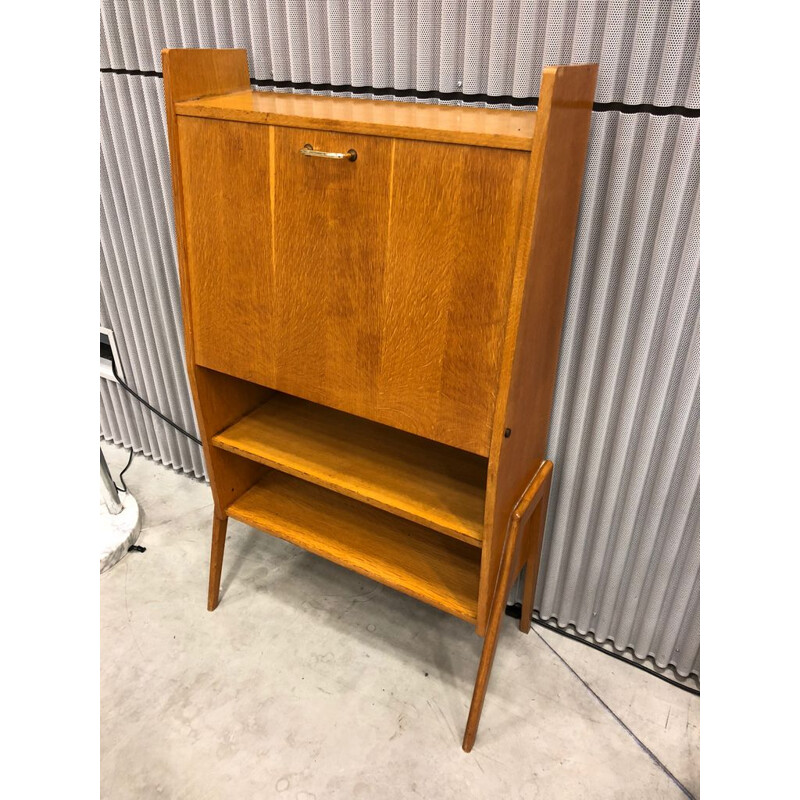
{"type": "Point", "coordinates": [225, 168]}
{"type": "Point", "coordinates": [453, 227]}
{"type": "Point", "coordinates": [191, 73]}
{"type": "Point", "coordinates": [225, 399]}
{"type": "Point", "coordinates": [538, 299]}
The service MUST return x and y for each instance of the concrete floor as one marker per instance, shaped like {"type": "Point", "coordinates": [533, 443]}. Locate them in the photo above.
{"type": "Point", "coordinates": [309, 681]}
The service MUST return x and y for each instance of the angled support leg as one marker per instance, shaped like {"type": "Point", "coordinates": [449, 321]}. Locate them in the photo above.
{"type": "Point", "coordinates": [217, 552]}
{"type": "Point", "coordinates": [534, 559]}
{"type": "Point", "coordinates": [531, 499]}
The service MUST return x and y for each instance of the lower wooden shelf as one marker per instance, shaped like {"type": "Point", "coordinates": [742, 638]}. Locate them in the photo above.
{"type": "Point", "coordinates": [418, 561]}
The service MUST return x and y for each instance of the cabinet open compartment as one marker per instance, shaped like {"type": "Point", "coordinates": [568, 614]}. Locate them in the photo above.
{"type": "Point", "coordinates": [434, 485]}
{"type": "Point", "coordinates": [422, 563]}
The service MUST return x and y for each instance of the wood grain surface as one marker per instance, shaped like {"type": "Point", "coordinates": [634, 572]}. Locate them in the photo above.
{"type": "Point", "coordinates": [437, 486]}
{"type": "Point", "coordinates": [500, 128]}
{"type": "Point", "coordinates": [453, 226]}
{"type": "Point", "coordinates": [227, 222]}
{"type": "Point", "coordinates": [421, 286]}
{"type": "Point", "coordinates": [224, 400]}
{"type": "Point", "coordinates": [528, 504]}
{"type": "Point", "coordinates": [219, 527]}
{"type": "Point", "coordinates": [544, 258]}
{"type": "Point", "coordinates": [188, 74]}
{"type": "Point", "coordinates": [378, 287]}
{"type": "Point", "coordinates": [436, 569]}
{"type": "Point", "coordinates": [330, 242]}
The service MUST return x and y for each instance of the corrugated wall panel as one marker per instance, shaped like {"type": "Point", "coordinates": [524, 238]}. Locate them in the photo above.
{"type": "Point", "coordinates": [648, 51]}
{"type": "Point", "coordinates": [140, 292]}
{"type": "Point", "coordinates": [621, 556]}
{"type": "Point", "coordinates": [626, 396]}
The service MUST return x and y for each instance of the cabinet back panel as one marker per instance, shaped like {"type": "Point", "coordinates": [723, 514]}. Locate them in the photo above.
{"type": "Point", "coordinates": [378, 287]}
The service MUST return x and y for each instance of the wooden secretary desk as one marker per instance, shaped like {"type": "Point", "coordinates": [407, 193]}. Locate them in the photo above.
{"type": "Point", "coordinates": [373, 295]}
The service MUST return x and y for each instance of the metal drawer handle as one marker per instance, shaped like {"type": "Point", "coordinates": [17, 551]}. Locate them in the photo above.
{"type": "Point", "coordinates": [308, 150]}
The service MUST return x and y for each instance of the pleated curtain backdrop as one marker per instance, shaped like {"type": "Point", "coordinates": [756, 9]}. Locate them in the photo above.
{"type": "Point", "coordinates": [621, 553]}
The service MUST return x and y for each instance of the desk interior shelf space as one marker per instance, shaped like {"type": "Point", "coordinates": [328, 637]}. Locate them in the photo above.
{"type": "Point", "coordinates": [437, 569]}
{"type": "Point", "coordinates": [437, 486]}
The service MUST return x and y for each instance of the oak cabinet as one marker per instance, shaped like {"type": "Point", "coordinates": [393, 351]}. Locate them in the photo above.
{"type": "Point", "coordinates": [373, 295]}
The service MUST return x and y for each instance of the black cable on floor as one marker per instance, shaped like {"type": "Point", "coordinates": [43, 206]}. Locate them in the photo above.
{"type": "Point", "coordinates": [653, 757]}
{"type": "Point", "coordinates": [152, 408]}
{"type": "Point", "coordinates": [125, 469]}
{"type": "Point", "coordinates": [515, 611]}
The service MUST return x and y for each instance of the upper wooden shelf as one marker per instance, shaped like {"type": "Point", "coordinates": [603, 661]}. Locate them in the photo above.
{"type": "Point", "coordinates": [501, 128]}
{"type": "Point", "coordinates": [430, 483]}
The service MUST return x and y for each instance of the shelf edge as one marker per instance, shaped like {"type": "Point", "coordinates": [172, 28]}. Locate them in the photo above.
{"type": "Point", "coordinates": [338, 488]}
{"type": "Point", "coordinates": [468, 615]}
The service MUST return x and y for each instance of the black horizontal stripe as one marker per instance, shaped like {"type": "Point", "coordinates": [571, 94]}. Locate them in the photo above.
{"type": "Point", "coordinates": [647, 108]}
{"type": "Point", "coordinates": [489, 99]}
{"type": "Point", "coordinates": [144, 73]}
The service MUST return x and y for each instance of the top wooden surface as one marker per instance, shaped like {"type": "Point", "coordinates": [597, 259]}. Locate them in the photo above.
{"type": "Point", "coordinates": [511, 130]}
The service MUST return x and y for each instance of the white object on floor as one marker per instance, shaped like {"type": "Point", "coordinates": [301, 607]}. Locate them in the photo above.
{"type": "Point", "coordinates": [118, 531]}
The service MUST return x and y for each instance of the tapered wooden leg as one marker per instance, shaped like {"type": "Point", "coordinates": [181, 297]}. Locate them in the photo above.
{"type": "Point", "coordinates": [535, 496]}
{"type": "Point", "coordinates": [217, 552]}
{"type": "Point", "coordinates": [533, 562]}
{"type": "Point", "coordinates": [490, 642]}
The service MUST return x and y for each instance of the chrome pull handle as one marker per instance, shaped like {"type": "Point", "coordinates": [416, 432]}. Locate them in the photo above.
{"type": "Point", "coordinates": [308, 150]}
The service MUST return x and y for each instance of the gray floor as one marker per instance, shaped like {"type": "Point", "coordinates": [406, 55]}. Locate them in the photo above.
{"type": "Point", "coordinates": [311, 682]}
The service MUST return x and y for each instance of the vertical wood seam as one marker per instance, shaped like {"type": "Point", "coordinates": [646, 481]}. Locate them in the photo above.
{"type": "Point", "coordinates": [387, 253]}
{"type": "Point", "coordinates": [272, 194]}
